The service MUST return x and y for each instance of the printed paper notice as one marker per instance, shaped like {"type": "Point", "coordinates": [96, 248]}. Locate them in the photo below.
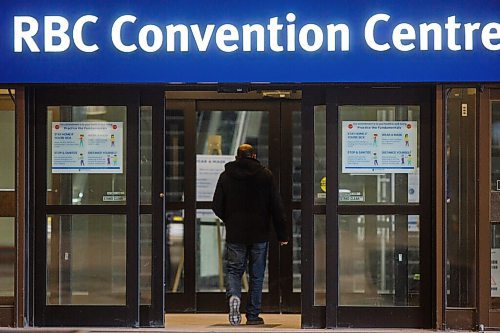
{"type": "Point", "coordinates": [87, 147]}
{"type": "Point", "coordinates": [379, 146]}
{"type": "Point", "coordinates": [208, 169]}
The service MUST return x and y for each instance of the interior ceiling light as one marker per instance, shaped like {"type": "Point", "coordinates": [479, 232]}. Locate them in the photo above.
{"type": "Point", "coordinates": [96, 110]}
{"type": "Point", "coordinates": [277, 93]}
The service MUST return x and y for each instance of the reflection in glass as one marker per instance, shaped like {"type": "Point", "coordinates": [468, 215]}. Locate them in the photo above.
{"type": "Point", "coordinates": [296, 156]}
{"type": "Point", "coordinates": [221, 132]}
{"type": "Point", "coordinates": [86, 259]}
{"type": "Point", "coordinates": [379, 260]}
{"type": "Point", "coordinates": [8, 160]}
{"type": "Point", "coordinates": [296, 243]}
{"type": "Point", "coordinates": [495, 205]}
{"type": "Point", "coordinates": [495, 146]}
{"type": "Point", "coordinates": [85, 188]}
{"type": "Point", "coordinates": [174, 251]}
{"type": "Point", "coordinates": [372, 187]}
{"type": "Point", "coordinates": [319, 260]}
{"type": "Point", "coordinates": [320, 154]}
{"type": "Point", "coordinates": [146, 153]}
{"type": "Point", "coordinates": [7, 183]}
{"type": "Point", "coordinates": [495, 265]}
{"type": "Point", "coordinates": [210, 245]}
{"type": "Point", "coordinates": [7, 256]}
{"type": "Point", "coordinates": [174, 155]}
{"type": "Point", "coordinates": [146, 258]}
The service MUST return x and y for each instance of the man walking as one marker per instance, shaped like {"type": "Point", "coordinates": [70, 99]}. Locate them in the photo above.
{"type": "Point", "coordinates": [246, 200]}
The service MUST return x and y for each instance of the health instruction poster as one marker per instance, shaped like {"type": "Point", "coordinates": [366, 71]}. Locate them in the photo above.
{"type": "Point", "coordinates": [87, 147]}
{"type": "Point", "coordinates": [379, 146]}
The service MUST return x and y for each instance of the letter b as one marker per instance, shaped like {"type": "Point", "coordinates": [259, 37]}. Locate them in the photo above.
{"type": "Point", "coordinates": [51, 33]}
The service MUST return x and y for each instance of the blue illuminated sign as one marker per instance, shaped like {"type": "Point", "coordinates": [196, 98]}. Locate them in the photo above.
{"type": "Point", "coordinates": [259, 41]}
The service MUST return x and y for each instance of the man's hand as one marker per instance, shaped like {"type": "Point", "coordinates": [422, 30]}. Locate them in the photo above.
{"type": "Point", "coordinates": [283, 243]}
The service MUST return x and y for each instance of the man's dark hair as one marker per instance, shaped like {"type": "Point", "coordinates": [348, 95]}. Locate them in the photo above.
{"type": "Point", "coordinates": [245, 151]}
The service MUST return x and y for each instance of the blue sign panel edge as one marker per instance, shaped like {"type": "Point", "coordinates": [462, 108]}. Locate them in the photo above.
{"type": "Point", "coordinates": [266, 41]}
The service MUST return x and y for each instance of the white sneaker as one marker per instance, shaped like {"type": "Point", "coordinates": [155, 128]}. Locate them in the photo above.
{"type": "Point", "coordinates": [234, 310]}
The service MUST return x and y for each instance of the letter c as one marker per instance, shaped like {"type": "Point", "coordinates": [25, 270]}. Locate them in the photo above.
{"type": "Point", "coordinates": [116, 33]}
{"type": "Point", "coordinates": [369, 32]}
{"type": "Point", "coordinates": [78, 35]}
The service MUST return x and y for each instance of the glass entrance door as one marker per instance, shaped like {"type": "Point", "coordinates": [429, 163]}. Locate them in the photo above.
{"type": "Point", "coordinates": [368, 217]}
{"type": "Point", "coordinates": [203, 132]}
{"type": "Point", "coordinates": [99, 208]}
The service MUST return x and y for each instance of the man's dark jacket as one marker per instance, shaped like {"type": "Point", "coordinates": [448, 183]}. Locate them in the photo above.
{"type": "Point", "coordinates": [247, 200]}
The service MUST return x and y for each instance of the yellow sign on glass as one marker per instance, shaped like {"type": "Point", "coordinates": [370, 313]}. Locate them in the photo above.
{"type": "Point", "coordinates": [322, 184]}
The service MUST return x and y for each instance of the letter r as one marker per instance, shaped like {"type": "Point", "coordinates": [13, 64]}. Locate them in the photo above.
{"type": "Point", "coordinates": [26, 35]}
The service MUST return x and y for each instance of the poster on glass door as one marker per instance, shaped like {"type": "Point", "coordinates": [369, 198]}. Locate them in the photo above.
{"type": "Point", "coordinates": [87, 147]}
{"type": "Point", "coordinates": [379, 147]}
{"type": "Point", "coordinates": [208, 170]}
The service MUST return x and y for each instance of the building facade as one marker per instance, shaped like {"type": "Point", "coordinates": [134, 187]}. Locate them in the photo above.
{"type": "Point", "coordinates": [117, 119]}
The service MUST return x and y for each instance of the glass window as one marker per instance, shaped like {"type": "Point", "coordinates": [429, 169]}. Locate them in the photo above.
{"type": "Point", "coordinates": [8, 160]}
{"type": "Point", "coordinates": [210, 247]}
{"type": "Point", "coordinates": [379, 154]}
{"type": "Point", "coordinates": [86, 161]}
{"type": "Point", "coordinates": [296, 242]}
{"type": "Point", "coordinates": [296, 156]}
{"type": "Point", "coordinates": [495, 205]}
{"type": "Point", "coordinates": [7, 256]}
{"type": "Point", "coordinates": [221, 133]}
{"type": "Point", "coordinates": [320, 154]}
{"type": "Point", "coordinates": [146, 153]}
{"type": "Point", "coordinates": [495, 265]}
{"type": "Point", "coordinates": [7, 187]}
{"type": "Point", "coordinates": [146, 257]}
{"type": "Point", "coordinates": [86, 259]}
{"type": "Point", "coordinates": [174, 155]}
{"type": "Point", "coordinates": [460, 198]}
{"type": "Point", "coordinates": [320, 260]}
{"type": "Point", "coordinates": [495, 147]}
{"type": "Point", "coordinates": [174, 256]}
{"type": "Point", "coordinates": [379, 260]}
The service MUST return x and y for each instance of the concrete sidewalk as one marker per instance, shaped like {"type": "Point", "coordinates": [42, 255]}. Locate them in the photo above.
{"type": "Point", "coordinates": [218, 323]}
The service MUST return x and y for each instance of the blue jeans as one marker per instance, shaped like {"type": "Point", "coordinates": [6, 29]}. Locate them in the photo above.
{"type": "Point", "coordinates": [236, 258]}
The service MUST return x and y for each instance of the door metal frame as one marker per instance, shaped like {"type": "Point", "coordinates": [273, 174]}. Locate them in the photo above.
{"type": "Point", "coordinates": [334, 315]}
{"type": "Point", "coordinates": [216, 301]}
{"type": "Point", "coordinates": [280, 276]}
{"type": "Point", "coordinates": [153, 315]}
{"type": "Point", "coordinates": [312, 316]}
{"type": "Point", "coordinates": [74, 315]}
{"type": "Point", "coordinates": [290, 300]}
{"type": "Point", "coordinates": [185, 300]}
